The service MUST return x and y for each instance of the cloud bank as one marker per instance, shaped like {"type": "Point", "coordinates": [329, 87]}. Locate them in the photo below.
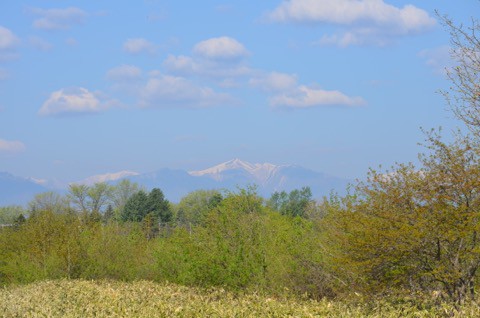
{"type": "Point", "coordinates": [222, 61]}
{"type": "Point", "coordinates": [167, 91]}
{"type": "Point", "coordinates": [8, 43]}
{"type": "Point", "coordinates": [139, 46]}
{"type": "Point", "coordinates": [307, 97]}
{"type": "Point", "coordinates": [76, 100]}
{"type": "Point", "coordinates": [58, 19]}
{"type": "Point", "coordinates": [222, 48]}
{"type": "Point", "coordinates": [366, 21]}
{"type": "Point", "coordinates": [11, 146]}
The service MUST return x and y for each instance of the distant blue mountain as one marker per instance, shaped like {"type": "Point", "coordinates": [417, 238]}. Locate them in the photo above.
{"type": "Point", "coordinates": [177, 183]}
{"type": "Point", "coordinates": [174, 183]}
{"type": "Point", "coordinates": [237, 173]}
{"type": "Point", "coordinates": [17, 190]}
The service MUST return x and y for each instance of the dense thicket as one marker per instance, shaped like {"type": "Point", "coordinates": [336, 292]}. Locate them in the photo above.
{"type": "Point", "coordinates": [240, 243]}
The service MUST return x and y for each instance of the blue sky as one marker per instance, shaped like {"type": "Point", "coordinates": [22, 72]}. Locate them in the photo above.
{"type": "Point", "coordinates": [90, 87]}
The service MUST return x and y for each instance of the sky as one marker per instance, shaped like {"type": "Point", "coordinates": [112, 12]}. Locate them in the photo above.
{"type": "Point", "coordinates": [337, 86]}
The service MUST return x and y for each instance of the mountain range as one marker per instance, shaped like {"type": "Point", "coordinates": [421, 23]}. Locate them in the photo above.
{"type": "Point", "coordinates": [17, 190]}
{"type": "Point", "coordinates": [177, 183]}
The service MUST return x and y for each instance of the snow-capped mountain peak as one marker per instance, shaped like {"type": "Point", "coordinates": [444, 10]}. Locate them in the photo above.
{"type": "Point", "coordinates": [108, 177]}
{"type": "Point", "coordinates": [261, 172]}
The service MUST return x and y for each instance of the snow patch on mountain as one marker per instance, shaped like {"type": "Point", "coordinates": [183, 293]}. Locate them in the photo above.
{"type": "Point", "coordinates": [261, 172]}
{"type": "Point", "coordinates": [108, 177]}
{"type": "Point", "coordinates": [42, 182]}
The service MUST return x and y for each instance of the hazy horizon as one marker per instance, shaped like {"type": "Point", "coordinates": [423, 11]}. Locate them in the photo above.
{"type": "Point", "coordinates": [88, 88]}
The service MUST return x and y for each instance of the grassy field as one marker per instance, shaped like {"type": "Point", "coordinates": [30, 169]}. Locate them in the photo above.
{"type": "Point", "coordinates": [76, 298]}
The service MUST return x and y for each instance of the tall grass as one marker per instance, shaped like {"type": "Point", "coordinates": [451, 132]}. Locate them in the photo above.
{"type": "Point", "coordinates": [81, 298]}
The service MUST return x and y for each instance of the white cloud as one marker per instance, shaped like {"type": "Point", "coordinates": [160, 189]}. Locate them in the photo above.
{"type": "Point", "coordinates": [181, 64]}
{"type": "Point", "coordinates": [139, 45]}
{"type": "Point", "coordinates": [8, 42]}
{"type": "Point", "coordinates": [306, 97]}
{"type": "Point", "coordinates": [77, 100]}
{"type": "Point", "coordinates": [124, 73]}
{"type": "Point", "coordinates": [222, 48]}
{"type": "Point", "coordinates": [220, 59]}
{"type": "Point", "coordinates": [157, 89]}
{"type": "Point", "coordinates": [370, 21]}
{"type": "Point", "coordinates": [185, 65]}
{"type": "Point", "coordinates": [7, 146]}
{"type": "Point", "coordinates": [357, 36]}
{"type": "Point", "coordinates": [348, 12]}
{"type": "Point", "coordinates": [168, 91]}
{"type": "Point", "coordinates": [58, 19]}
{"type": "Point", "coordinates": [274, 81]}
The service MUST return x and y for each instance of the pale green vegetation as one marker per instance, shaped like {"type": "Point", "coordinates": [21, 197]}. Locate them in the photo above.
{"type": "Point", "coordinates": [79, 298]}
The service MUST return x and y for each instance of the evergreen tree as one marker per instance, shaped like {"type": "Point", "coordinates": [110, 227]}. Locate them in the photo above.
{"type": "Point", "coordinates": [136, 207]}
{"type": "Point", "coordinates": [109, 214]}
{"type": "Point", "coordinates": [159, 206]}
{"type": "Point", "coordinates": [140, 205]}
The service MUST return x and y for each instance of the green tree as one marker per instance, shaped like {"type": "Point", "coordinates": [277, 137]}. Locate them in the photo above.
{"type": "Point", "coordinates": [98, 197]}
{"type": "Point", "coordinates": [49, 201]}
{"type": "Point", "coordinates": [19, 221]}
{"type": "Point", "coordinates": [47, 245]}
{"type": "Point", "coordinates": [158, 206]}
{"type": "Point", "coordinates": [121, 193]}
{"type": "Point", "coordinates": [416, 228]}
{"type": "Point", "coordinates": [136, 207]}
{"type": "Point", "coordinates": [109, 214]}
{"type": "Point", "coordinates": [193, 208]}
{"type": "Point", "coordinates": [90, 201]}
{"type": "Point", "coordinates": [295, 203]}
{"type": "Point", "coordinates": [141, 204]}
{"type": "Point", "coordinates": [78, 195]}
{"type": "Point", "coordinates": [229, 250]}
{"type": "Point", "coordinates": [242, 244]}
{"type": "Point", "coordinates": [8, 214]}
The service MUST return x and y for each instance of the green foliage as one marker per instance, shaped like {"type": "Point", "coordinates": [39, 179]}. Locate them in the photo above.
{"type": "Point", "coordinates": [8, 214]}
{"type": "Point", "coordinates": [140, 205]}
{"type": "Point", "coordinates": [121, 193]}
{"type": "Point", "coordinates": [193, 208]}
{"type": "Point", "coordinates": [91, 199]}
{"type": "Point", "coordinates": [45, 246]}
{"type": "Point", "coordinates": [295, 203]}
{"type": "Point", "coordinates": [136, 207]}
{"type": "Point", "coordinates": [78, 196]}
{"type": "Point", "coordinates": [50, 245]}
{"type": "Point", "coordinates": [241, 244]}
{"type": "Point", "coordinates": [49, 201]}
{"type": "Point", "coordinates": [158, 206]}
{"type": "Point", "coordinates": [99, 196]}
{"type": "Point", "coordinates": [415, 229]}
{"type": "Point", "coordinates": [112, 251]}
{"type": "Point", "coordinates": [109, 214]}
